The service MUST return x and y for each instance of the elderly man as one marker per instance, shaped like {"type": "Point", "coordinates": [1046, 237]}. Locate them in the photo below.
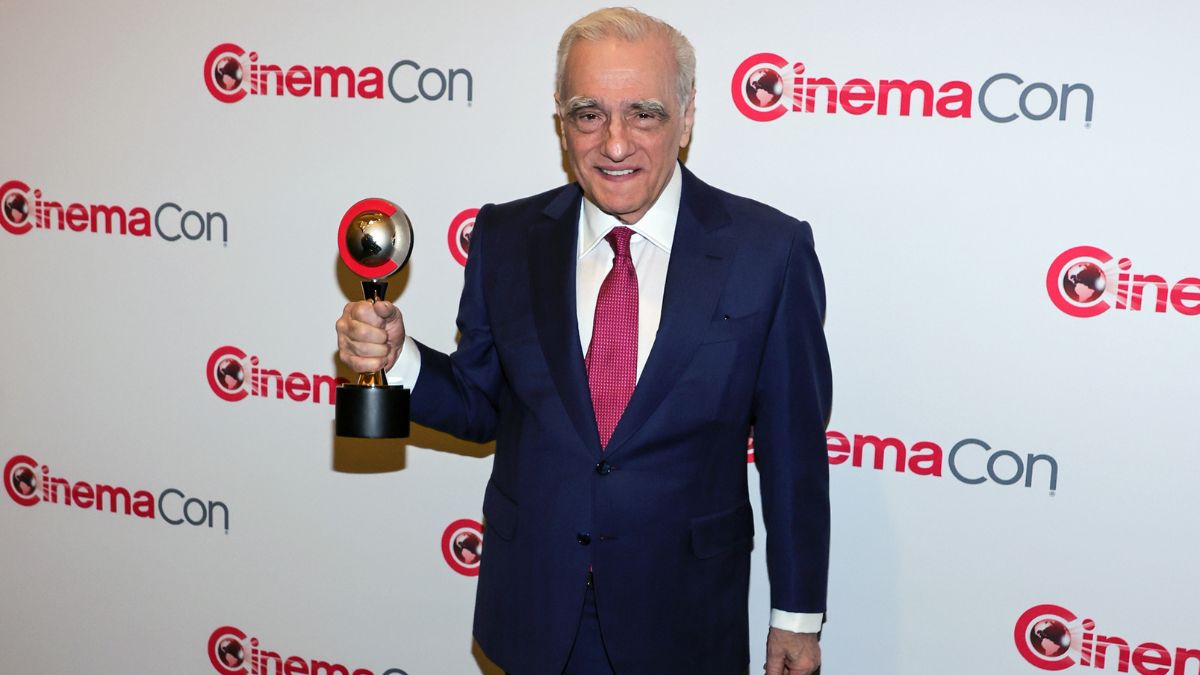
{"type": "Point", "coordinates": [621, 336]}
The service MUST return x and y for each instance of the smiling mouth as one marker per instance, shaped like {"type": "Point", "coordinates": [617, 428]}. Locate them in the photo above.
{"type": "Point", "coordinates": [617, 172]}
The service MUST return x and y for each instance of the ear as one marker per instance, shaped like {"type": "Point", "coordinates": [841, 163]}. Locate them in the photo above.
{"type": "Point", "coordinates": [562, 124]}
{"type": "Point", "coordinates": [689, 118]}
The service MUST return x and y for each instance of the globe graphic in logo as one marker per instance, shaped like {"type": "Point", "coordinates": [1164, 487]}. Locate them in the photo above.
{"type": "Point", "coordinates": [16, 208]}
{"type": "Point", "coordinates": [1050, 637]}
{"type": "Point", "coordinates": [464, 237]}
{"type": "Point", "coordinates": [24, 481]}
{"type": "Point", "coordinates": [1084, 282]}
{"type": "Point", "coordinates": [228, 73]}
{"type": "Point", "coordinates": [230, 374]}
{"type": "Point", "coordinates": [764, 88]}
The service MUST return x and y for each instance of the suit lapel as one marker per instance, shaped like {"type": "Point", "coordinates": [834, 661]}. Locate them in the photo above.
{"type": "Point", "coordinates": [701, 253]}
{"type": "Point", "coordinates": [552, 255]}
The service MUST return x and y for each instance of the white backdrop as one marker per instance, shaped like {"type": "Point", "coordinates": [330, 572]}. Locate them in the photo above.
{"type": "Point", "coordinates": [936, 233]}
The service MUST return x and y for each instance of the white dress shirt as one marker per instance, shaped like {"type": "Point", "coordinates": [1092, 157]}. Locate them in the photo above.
{"type": "Point", "coordinates": [650, 248]}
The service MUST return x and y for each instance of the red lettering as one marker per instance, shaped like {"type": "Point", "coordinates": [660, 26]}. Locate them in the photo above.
{"type": "Point", "coordinates": [881, 445]}
{"type": "Point", "coordinates": [810, 96]}
{"type": "Point", "coordinates": [297, 386]}
{"type": "Point", "coordinates": [77, 217]}
{"type": "Point", "coordinates": [295, 666]}
{"type": "Point", "coordinates": [906, 90]}
{"type": "Point", "coordinates": [331, 74]}
{"type": "Point", "coordinates": [1139, 284]}
{"type": "Point", "coordinates": [925, 459]}
{"type": "Point", "coordinates": [108, 213]}
{"type": "Point", "coordinates": [266, 69]}
{"type": "Point", "coordinates": [58, 210]}
{"type": "Point", "coordinates": [370, 83]}
{"type": "Point", "coordinates": [1186, 290]}
{"type": "Point", "coordinates": [838, 447]}
{"type": "Point", "coordinates": [264, 655]}
{"type": "Point", "coordinates": [139, 222]}
{"type": "Point", "coordinates": [1103, 642]}
{"type": "Point", "coordinates": [1152, 659]}
{"type": "Point", "coordinates": [1182, 656]}
{"type": "Point", "coordinates": [328, 384]}
{"type": "Point", "coordinates": [112, 493]}
{"type": "Point", "coordinates": [858, 96]}
{"type": "Point", "coordinates": [298, 81]}
{"type": "Point", "coordinates": [958, 104]}
{"type": "Point", "coordinates": [319, 667]}
{"type": "Point", "coordinates": [82, 494]}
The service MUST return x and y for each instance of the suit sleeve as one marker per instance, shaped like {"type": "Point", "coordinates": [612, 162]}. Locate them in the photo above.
{"type": "Point", "coordinates": [792, 406]}
{"type": "Point", "coordinates": [458, 393]}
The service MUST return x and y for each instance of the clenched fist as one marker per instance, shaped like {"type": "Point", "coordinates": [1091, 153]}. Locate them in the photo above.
{"type": "Point", "coordinates": [370, 335]}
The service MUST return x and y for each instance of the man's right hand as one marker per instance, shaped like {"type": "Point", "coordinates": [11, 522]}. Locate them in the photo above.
{"type": "Point", "coordinates": [370, 335]}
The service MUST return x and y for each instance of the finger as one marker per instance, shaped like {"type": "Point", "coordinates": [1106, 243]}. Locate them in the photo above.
{"type": "Point", "coordinates": [364, 312]}
{"type": "Point", "coordinates": [359, 331]}
{"type": "Point", "coordinates": [385, 310]}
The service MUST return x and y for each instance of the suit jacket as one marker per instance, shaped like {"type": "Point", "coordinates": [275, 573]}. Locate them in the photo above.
{"type": "Point", "coordinates": [662, 515]}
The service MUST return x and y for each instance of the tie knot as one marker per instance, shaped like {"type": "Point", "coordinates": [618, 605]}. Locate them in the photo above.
{"type": "Point", "coordinates": [618, 238]}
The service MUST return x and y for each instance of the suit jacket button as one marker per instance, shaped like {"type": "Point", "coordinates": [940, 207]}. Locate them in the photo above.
{"type": "Point", "coordinates": [583, 538]}
{"type": "Point", "coordinates": [604, 468]}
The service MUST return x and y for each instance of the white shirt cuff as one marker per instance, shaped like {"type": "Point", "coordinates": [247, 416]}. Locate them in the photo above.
{"type": "Point", "coordinates": [407, 367]}
{"type": "Point", "coordinates": [797, 622]}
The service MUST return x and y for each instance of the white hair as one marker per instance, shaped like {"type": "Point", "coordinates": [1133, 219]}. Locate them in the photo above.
{"type": "Point", "coordinates": [631, 25]}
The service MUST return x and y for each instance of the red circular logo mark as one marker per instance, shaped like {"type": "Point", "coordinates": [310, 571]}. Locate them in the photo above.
{"type": "Point", "coordinates": [224, 73]}
{"type": "Point", "coordinates": [462, 546]}
{"type": "Point", "coordinates": [21, 481]}
{"type": "Point", "coordinates": [458, 237]}
{"type": "Point", "coordinates": [226, 374]}
{"type": "Point", "coordinates": [1043, 636]}
{"type": "Point", "coordinates": [1077, 281]}
{"type": "Point", "coordinates": [227, 651]}
{"type": "Point", "coordinates": [759, 87]}
{"type": "Point", "coordinates": [15, 207]}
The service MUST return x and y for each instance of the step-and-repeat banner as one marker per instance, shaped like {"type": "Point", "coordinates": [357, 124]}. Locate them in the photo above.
{"type": "Point", "coordinates": [1003, 198]}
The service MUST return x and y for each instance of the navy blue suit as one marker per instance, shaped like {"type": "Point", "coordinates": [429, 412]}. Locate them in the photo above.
{"type": "Point", "coordinates": [662, 516]}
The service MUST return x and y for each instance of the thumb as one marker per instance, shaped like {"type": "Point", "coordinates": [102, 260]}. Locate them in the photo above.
{"type": "Point", "coordinates": [385, 310]}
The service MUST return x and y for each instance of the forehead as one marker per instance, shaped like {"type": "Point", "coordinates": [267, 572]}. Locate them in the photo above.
{"type": "Point", "coordinates": [616, 67]}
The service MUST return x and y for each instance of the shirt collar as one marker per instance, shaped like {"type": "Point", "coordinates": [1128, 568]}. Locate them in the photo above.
{"type": "Point", "coordinates": [657, 226]}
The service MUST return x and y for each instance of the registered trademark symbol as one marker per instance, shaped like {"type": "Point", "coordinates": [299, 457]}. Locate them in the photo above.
{"type": "Point", "coordinates": [1052, 493]}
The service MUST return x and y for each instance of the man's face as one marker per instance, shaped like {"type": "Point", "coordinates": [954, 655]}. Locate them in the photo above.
{"type": "Point", "coordinates": [621, 121]}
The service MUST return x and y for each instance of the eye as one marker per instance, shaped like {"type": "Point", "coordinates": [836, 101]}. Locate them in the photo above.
{"type": "Point", "coordinates": [587, 120]}
{"type": "Point", "coordinates": [646, 119]}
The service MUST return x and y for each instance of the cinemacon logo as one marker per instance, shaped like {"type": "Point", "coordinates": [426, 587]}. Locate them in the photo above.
{"type": "Point", "coordinates": [29, 483]}
{"type": "Point", "coordinates": [971, 461]}
{"type": "Point", "coordinates": [231, 74]}
{"type": "Point", "coordinates": [24, 209]}
{"type": "Point", "coordinates": [765, 87]}
{"type": "Point", "coordinates": [1051, 637]}
{"type": "Point", "coordinates": [233, 375]}
{"type": "Point", "coordinates": [462, 546]}
{"type": "Point", "coordinates": [231, 652]}
{"type": "Point", "coordinates": [458, 237]}
{"type": "Point", "coordinates": [1084, 281]}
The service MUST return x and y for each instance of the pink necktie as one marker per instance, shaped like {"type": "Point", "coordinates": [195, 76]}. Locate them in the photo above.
{"type": "Point", "coordinates": [612, 355]}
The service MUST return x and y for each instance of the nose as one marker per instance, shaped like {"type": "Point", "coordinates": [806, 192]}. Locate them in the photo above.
{"type": "Point", "coordinates": [617, 145]}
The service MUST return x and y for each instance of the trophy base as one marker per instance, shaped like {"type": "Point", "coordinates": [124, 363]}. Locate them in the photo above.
{"type": "Point", "coordinates": [371, 412]}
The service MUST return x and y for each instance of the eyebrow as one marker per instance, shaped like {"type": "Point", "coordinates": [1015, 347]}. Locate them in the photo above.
{"type": "Point", "coordinates": [580, 102]}
{"type": "Point", "coordinates": [650, 105]}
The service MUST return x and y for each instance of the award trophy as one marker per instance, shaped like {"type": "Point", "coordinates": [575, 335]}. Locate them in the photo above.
{"type": "Point", "coordinates": [375, 241]}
